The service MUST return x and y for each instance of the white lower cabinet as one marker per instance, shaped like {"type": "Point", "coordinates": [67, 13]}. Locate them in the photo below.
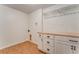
{"type": "Point", "coordinates": [69, 49]}
{"type": "Point", "coordinates": [60, 48]}
{"type": "Point", "coordinates": [65, 47]}
{"type": "Point", "coordinates": [68, 46]}
{"type": "Point", "coordinates": [72, 49]}
{"type": "Point", "coordinates": [59, 45]}
{"type": "Point", "coordinates": [76, 49]}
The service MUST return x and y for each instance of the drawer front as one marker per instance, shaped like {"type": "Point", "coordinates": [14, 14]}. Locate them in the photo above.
{"type": "Point", "coordinates": [62, 38]}
{"type": "Point", "coordinates": [48, 49]}
{"type": "Point", "coordinates": [67, 39]}
{"type": "Point", "coordinates": [74, 40]}
{"type": "Point", "coordinates": [49, 42]}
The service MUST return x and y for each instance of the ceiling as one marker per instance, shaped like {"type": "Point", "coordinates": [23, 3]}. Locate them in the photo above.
{"type": "Point", "coordinates": [28, 8]}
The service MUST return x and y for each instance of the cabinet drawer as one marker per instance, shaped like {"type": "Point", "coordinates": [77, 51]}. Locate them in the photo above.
{"type": "Point", "coordinates": [67, 39]}
{"type": "Point", "coordinates": [61, 38]}
{"type": "Point", "coordinates": [48, 49]}
{"type": "Point", "coordinates": [74, 40]}
{"type": "Point", "coordinates": [49, 42]}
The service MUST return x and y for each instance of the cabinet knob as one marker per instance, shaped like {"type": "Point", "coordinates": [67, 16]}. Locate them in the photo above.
{"type": "Point", "coordinates": [72, 47]}
{"type": "Point", "coordinates": [48, 36]}
{"type": "Point", "coordinates": [48, 49]}
{"type": "Point", "coordinates": [48, 42]}
{"type": "Point", "coordinates": [39, 35]}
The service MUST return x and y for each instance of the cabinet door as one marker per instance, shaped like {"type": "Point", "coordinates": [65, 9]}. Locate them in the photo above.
{"type": "Point", "coordinates": [69, 49]}
{"type": "Point", "coordinates": [60, 47]}
{"type": "Point", "coordinates": [63, 48]}
{"type": "Point", "coordinates": [76, 49]}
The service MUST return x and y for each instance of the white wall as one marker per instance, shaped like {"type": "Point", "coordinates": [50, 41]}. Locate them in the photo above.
{"type": "Point", "coordinates": [35, 24]}
{"type": "Point", "coordinates": [65, 23]}
{"type": "Point", "coordinates": [13, 26]}
{"type": "Point", "coordinates": [68, 23]}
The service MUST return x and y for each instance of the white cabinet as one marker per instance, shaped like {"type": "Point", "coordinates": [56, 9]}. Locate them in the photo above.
{"type": "Point", "coordinates": [66, 45]}
{"type": "Point", "coordinates": [73, 45]}
{"type": "Point", "coordinates": [60, 47]}
{"type": "Point", "coordinates": [46, 43]}
{"type": "Point", "coordinates": [68, 48]}
{"type": "Point", "coordinates": [76, 49]}
{"type": "Point", "coordinates": [72, 49]}
{"type": "Point", "coordinates": [58, 44]}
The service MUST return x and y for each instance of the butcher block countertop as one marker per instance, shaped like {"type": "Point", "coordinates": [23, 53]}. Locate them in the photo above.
{"type": "Point", "coordinates": [67, 34]}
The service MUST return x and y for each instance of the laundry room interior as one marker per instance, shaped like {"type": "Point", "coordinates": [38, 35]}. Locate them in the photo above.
{"type": "Point", "coordinates": [39, 28]}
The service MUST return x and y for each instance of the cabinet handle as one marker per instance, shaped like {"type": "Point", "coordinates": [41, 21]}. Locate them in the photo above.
{"type": "Point", "coordinates": [48, 42]}
{"type": "Point", "coordinates": [48, 49]}
{"type": "Point", "coordinates": [72, 47]}
{"type": "Point", "coordinates": [48, 36]}
{"type": "Point", "coordinates": [39, 35]}
{"type": "Point", "coordinates": [73, 41]}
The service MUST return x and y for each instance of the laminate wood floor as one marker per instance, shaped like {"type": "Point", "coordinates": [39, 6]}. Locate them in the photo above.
{"type": "Point", "coordinates": [22, 48]}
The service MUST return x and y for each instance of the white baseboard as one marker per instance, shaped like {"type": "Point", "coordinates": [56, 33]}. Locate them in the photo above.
{"type": "Point", "coordinates": [13, 44]}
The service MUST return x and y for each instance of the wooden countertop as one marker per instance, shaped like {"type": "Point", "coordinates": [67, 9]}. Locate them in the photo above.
{"type": "Point", "coordinates": [67, 34]}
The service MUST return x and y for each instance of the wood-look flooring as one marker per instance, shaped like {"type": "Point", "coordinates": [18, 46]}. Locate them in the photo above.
{"type": "Point", "coordinates": [22, 48]}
